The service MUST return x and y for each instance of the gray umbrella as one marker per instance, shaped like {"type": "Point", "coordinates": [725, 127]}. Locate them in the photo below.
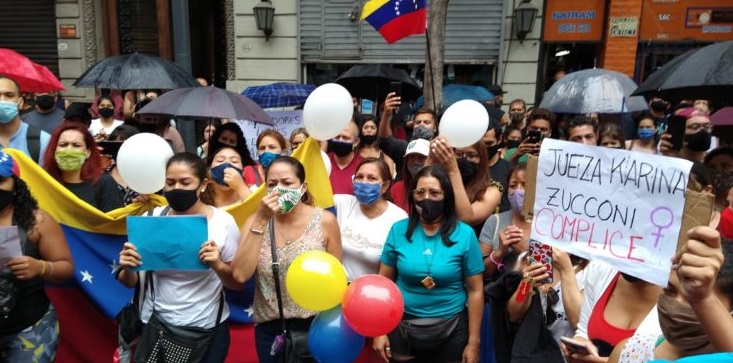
{"type": "Point", "coordinates": [206, 102]}
{"type": "Point", "coordinates": [593, 91]}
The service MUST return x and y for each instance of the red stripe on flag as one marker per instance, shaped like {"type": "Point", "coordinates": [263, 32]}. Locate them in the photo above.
{"type": "Point", "coordinates": [404, 26]}
{"type": "Point", "coordinates": [242, 347]}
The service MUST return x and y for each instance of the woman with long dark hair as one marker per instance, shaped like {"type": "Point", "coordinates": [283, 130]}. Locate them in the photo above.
{"type": "Point", "coordinates": [436, 263]}
{"type": "Point", "coordinates": [29, 328]}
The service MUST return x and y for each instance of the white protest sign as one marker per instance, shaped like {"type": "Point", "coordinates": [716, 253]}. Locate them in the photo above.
{"type": "Point", "coordinates": [621, 207]}
{"type": "Point", "coordinates": [283, 121]}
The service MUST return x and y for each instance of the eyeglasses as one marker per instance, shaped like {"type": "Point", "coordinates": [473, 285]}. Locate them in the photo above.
{"type": "Point", "coordinates": [700, 126]}
{"type": "Point", "coordinates": [467, 155]}
{"type": "Point", "coordinates": [427, 193]}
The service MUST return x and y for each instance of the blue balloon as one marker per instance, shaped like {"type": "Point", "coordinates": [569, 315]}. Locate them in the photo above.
{"type": "Point", "coordinates": [331, 340]}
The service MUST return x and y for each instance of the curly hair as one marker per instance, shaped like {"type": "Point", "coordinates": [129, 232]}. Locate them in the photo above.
{"type": "Point", "coordinates": [24, 205]}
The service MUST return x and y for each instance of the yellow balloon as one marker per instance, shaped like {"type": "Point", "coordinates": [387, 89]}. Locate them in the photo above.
{"type": "Point", "coordinates": [316, 280]}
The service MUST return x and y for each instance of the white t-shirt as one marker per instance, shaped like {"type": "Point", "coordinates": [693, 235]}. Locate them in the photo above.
{"type": "Point", "coordinates": [561, 326]}
{"type": "Point", "coordinates": [362, 238]}
{"type": "Point", "coordinates": [96, 127]}
{"type": "Point", "coordinates": [191, 298]}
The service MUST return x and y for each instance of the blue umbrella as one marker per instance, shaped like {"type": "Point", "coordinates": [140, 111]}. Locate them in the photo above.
{"type": "Point", "coordinates": [279, 94]}
{"type": "Point", "coordinates": [453, 93]}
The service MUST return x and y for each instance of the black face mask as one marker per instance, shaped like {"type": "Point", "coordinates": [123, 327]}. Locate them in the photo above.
{"type": "Point", "coordinates": [516, 117]}
{"type": "Point", "coordinates": [492, 150]}
{"type": "Point", "coordinates": [430, 210]}
{"type": "Point", "coordinates": [6, 198]}
{"type": "Point", "coordinates": [181, 200]}
{"type": "Point", "coordinates": [468, 169]}
{"type": "Point", "coordinates": [630, 278]}
{"type": "Point", "coordinates": [699, 141]}
{"type": "Point", "coordinates": [106, 112]}
{"type": "Point", "coordinates": [422, 132]}
{"type": "Point", "coordinates": [512, 144]}
{"type": "Point", "coordinates": [413, 169]}
{"type": "Point", "coordinates": [147, 127]}
{"type": "Point", "coordinates": [340, 148]}
{"type": "Point", "coordinates": [658, 106]}
{"type": "Point", "coordinates": [45, 102]}
{"type": "Point", "coordinates": [368, 139]}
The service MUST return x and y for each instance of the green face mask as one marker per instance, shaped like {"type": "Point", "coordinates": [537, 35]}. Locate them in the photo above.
{"type": "Point", "coordinates": [70, 160]}
{"type": "Point", "coordinates": [288, 198]}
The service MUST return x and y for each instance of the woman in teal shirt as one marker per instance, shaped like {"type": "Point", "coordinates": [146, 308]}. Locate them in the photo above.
{"type": "Point", "coordinates": [435, 260]}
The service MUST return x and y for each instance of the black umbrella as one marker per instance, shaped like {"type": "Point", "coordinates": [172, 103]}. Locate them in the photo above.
{"type": "Point", "coordinates": [705, 73]}
{"type": "Point", "coordinates": [135, 71]}
{"type": "Point", "coordinates": [206, 102]}
{"type": "Point", "coordinates": [371, 81]}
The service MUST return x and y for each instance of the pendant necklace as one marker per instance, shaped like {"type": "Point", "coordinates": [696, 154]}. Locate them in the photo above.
{"type": "Point", "coordinates": [428, 281]}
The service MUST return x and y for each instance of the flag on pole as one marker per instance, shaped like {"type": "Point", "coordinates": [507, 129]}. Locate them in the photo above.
{"type": "Point", "coordinates": [396, 19]}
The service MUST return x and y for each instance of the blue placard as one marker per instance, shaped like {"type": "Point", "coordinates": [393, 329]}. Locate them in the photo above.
{"type": "Point", "coordinates": [168, 243]}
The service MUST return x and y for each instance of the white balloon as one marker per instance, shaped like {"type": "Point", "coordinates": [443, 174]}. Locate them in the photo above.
{"type": "Point", "coordinates": [327, 111]}
{"type": "Point", "coordinates": [464, 123]}
{"type": "Point", "coordinates": [326, 162]}
{"type": "Point", "coordinates": [141, 162]}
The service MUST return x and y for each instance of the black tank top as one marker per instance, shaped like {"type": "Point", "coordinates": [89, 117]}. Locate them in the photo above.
{"type": "Point", "coordinates": [31, 302]}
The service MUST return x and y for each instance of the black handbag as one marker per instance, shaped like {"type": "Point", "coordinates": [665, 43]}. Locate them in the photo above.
{"type": "Point", "coordinates": [428, 333]}
{"type": "Point", "coordinates": [128, 319]}
{"type": "Point", "coordinates": [8, 293]}
{"type": "Point", "coordinates": [295, 348]}
{"type": "Point", "coordinates": [165, 343]}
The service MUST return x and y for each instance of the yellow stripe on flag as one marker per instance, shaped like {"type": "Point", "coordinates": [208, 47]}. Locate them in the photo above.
{"type": "Point", "coordinates": [371, 7]}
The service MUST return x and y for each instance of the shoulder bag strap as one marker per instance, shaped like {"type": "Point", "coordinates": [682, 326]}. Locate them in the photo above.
{"type": "Point", "coordinates": [33, 140]}
{"type": "Point", "coordinates": [276, 274]}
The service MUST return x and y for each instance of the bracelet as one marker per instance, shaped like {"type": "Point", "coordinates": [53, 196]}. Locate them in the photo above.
{"type": "Point", "coordinates": [43, 269]}
{"type": "Point", "coordinates": [257, 231]}
{"type": "Point", "coordinates": [50, 268]}
{"type": "Point", "coordinates": [499, 265]}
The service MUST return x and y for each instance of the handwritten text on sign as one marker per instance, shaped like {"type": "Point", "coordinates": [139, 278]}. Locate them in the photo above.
{"type": "Point", "coordinates": [283, 121]}
{"type": "Point", "coordinates": [622, 207]}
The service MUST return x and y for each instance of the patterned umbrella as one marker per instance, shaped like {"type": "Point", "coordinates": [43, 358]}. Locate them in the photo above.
{"type": "Point", "coordinates": [206, 102]}
{"type": "Point", "coordinates": [279, 94]}
{"type": "Point", "coordinates": [30, 76]}
{"type": "Point", "coordinates": [135, 71]}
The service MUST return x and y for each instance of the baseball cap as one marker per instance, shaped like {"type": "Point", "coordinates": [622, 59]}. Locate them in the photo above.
{"type": "Point", "coordinates": [418, 146]}
{"type": "Point", "coordinates": [8, 166]}
{"type": "Point", "coordinates": [496, 89]}
{"type": "Point", "coordinates": [78, 110]}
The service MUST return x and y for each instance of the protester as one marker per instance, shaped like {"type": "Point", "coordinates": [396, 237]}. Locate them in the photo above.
{"type": "Point", "coordinates": [541, 121]}
{"type": "Point", "coordinates": [120, 134]}
{"type": "Point", "coordinates": [498, 95]}
{"type": "Point", "coordinates": [498, 167]}
{"type": "Point", "coordinates": [583, 130]}
{"type": "Point", "coordinates": [46, 115]}
{"type": "Point", "coordinates": [229, 134]}
{"type": "Point", "coordinates": [645, 131]}
{"type": "Point", "coordinates": [29, 330]}
{"type": "Point", "coordinates": [610, 135]}
{"type": "Point", "coordinates": [190, 299]}
{"type": "Point", "coordinates": [106, 123]}
{"type": "Point", "coordinates": [449, 287]}
{"type": "Point", "coordinates": [79, 113]}
{"type": "Point", "coordinates": [297, 137]}
{"type": "Point", "coordinates": [517, 113]}
{"type": "Point", "coordinates": [298, 227]}
{"type": "Point", "coordinates": [720, 159]}
{"type": "Point", "coordinates": [344, 159]}
{"type": "Point", "coordinates": [683, 334]}
{"type": "Point", "coordinates": [366, 217]}
{"type": "Point", "coordinates": [160, 126]}
{"type": "Point", "coordinates": [697, 137]}
{"type": "Point", "coordinates": [14, 133]}
{"type": "Point", "coordinates": [415, 156]}
{"type": "Point", "coordinates": [74, 161]}
{"type": "Point", "coordinates": [476, 195]}
{"type": "Point", "coordinates": [511, 138]}
{"type": "Point", "coordinates": [368, 146]}
{"type": "Point", "coordinates": [203, 149]}
{"type": "Point", "coordinates": [115, 95]}
{"type": "Point", "coordinates": [228, 186]}
{"type": "Point", "coordinates": [270, 145]}
{"type": "Point", "coordinates": [424, 126]}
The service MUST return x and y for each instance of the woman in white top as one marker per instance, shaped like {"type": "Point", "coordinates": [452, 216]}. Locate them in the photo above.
{"type": "Point", "coordinates": [190, 298]}
{"type": "Point", "coordinates": [103, 126]}
{"type": "Point", "coordinates": [645, 130]}
{"type": "Point", "coordinates": [366, 217]}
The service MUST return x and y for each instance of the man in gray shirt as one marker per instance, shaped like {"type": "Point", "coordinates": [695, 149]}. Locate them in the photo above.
{"type": "Point", "coordinates": [45, 116]}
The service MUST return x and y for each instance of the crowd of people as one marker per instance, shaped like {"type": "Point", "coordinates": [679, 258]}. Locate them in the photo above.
{"type": "Point", "coordinates": [445, 224]}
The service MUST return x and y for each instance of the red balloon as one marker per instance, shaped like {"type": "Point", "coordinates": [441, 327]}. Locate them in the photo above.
{"type": "Point", "coordinates": [373, 305]}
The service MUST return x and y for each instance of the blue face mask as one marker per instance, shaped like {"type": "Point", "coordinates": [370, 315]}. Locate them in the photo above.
{"type": "Point", "coordinates": [266, 158]}
{"type": "Point", "coordinates": [8, 111]}
{"type": "Point", "coordinates": [367, 193]}
{"type": "Point", "coordinates": [217, 173]}
{"type": "Point", "coordinates": [645, 134]}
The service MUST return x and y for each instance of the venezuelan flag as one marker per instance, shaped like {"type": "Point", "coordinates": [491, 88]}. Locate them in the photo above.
{"type": "Point", "coordinates": [396, 19]}
{"type": "Point", "coordinates": [87, 305]}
